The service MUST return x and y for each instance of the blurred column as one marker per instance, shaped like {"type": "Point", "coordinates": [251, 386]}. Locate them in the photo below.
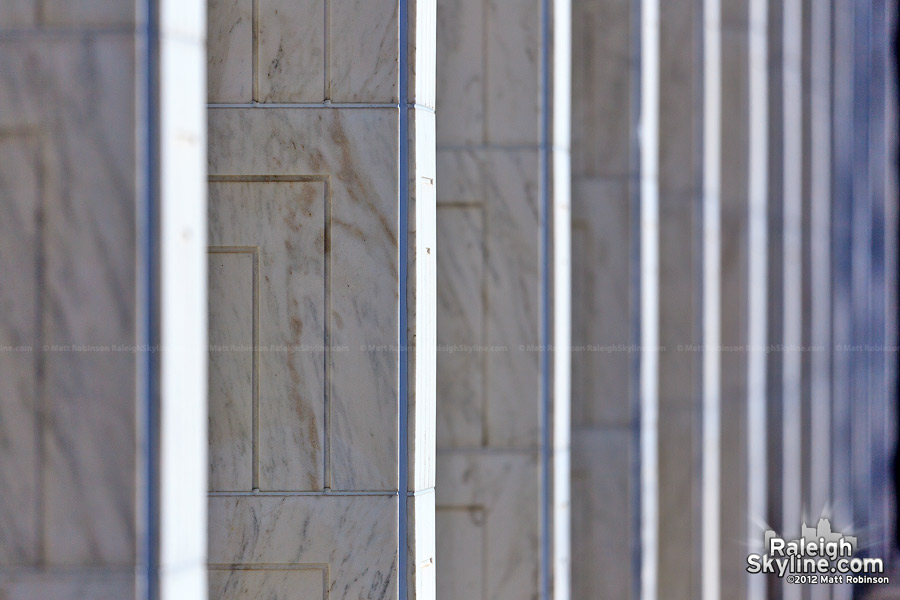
{"type": "Point", "coordinates": [503, 236]}
{"type": "Point", "coordinates": [322, 259]}
{"type": "Point", "coordinates": [102, 371]}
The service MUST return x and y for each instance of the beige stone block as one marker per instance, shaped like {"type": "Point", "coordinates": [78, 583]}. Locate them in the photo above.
{"type": "Point", "coordinates": [512, 94]}
{"type": "Point", "coordinates": [601, 513]}
{"type": "Point", "coordinates": [291, 51]}
{"type": "Point", "coordinates": [499, 494]}
{"type": "Point", "coordinates": [364, 51]}
{"type": "Point", "coordinates": [601, 302]}
{"type": "Point", "coordinates": [230, 50]}
{"type": "Point", "coordinates": [355, 151]}
{"type": "Point", "coordinates": [512, 296]}
{"type": "Point", "coordinates": [351, 540]}
{"type": "Point", "coordinates": [20, 168]}
{"type": "Point", "coordinates": [460, 377]}
{"type": "Point", "coordinates": [461, 63]}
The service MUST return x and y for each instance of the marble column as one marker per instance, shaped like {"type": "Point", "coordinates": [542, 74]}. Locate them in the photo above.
{"type": "Point", "coordinates": [102, 385]}
{"type": "Point", "coordinates": [605, 305]}
{"type": "Point", "coordinates": [503, 223]}
{"type": "Point", "coordinates": [322, 298]}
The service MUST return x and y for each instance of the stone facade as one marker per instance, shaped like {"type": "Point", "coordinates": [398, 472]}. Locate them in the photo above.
{"type": "Point", "coordinates": [361, 322]}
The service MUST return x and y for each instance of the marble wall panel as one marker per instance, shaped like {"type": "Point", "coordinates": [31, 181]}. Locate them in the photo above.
{"type": "Point", "coordinates": [232, 387]}
{"type": "Point", "coordinates": [18, 13]}
{"type": "Point", "coordinates": [462, 65]}
{"type": "Point", "coordinates": [357, 155]}
{"type": "Point", "coordinates": [511, 297]}
{"type": "Point", "coordinates": [678, 313]}
{"type": "Point", "coordinates": [602, 66]}
{"type": "Point", "coordinates": [291, 43]}
{"type": "Point", "coordinates": [601, 258]}
{"type": "Point", "coordinates": [363, 51]}
{"type": "Point", "coordinates": [679, 518]}
{"type": "Point", "coordinates": [512, 86]}
{"type": "Point", "coordinates": [460, 326]}
{"type": "Point", "coordinates": [283, 225]}
{"type": "Point", "coordinates": [230, 39]}
{"type": "Point", "coordinates": [20, 168]}
{"type": "Point", "coordinates": [498, 493]}
{"type": "Point", "coordinates": [601, 532]}
{"type": "Point", "coordinates": [335, 534]}
{"type": "Point", "coordinates": [108, 585]}
{"type": "Point", "coordinates": [90, 13]}
{"type": "Point", "coordinates": [273, 583]}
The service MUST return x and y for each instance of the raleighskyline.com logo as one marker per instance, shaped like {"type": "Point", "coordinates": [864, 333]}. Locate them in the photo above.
{"type": "Point", "coordinates": [819, 555]}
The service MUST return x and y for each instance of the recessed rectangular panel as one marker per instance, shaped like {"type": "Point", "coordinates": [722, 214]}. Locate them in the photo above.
{"type": "Point", "coordinates": [232, 398]}
{"type": "Point", "coordinates": [287, 221]}
{"type": "Point", "coordinates": [275, 583]}
{"type": "Point", "coordinates": [291, 50]}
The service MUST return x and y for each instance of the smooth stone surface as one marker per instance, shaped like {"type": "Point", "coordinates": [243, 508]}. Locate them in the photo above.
{"type": "Point", "coordinates": [356, 153]}
{"type": "Point", "coordinates": [602, 71]}
{"type": "Point", "coordinates": [512, 293]}
{"type": "Point", "coordinates": [20, 167]}
{"type": "Point", "coordinates": [601, 264]}
{"type": "Point", "coordinates": [232, 287]}
{"type": "Point", "coordinates": [291, 49]}
{"type": "Point", "coordinates": [512, 84]}
{"type": "Point", "coordinates": [353, 539]}
{"type": "Point", "coordinates": [272, 583]}
{"type": "Point", "coordinates": [498, 493]}
{"type": "Point", "coordinates": [460, 327]}
{"type": "Point", "coordinates": [18, 13]}
{"type": "Point", "coordinates": [89, 13]}
{"type": "Point", "coordinates": [364, 51]}
{"type": "Point", "coordinates": [230, 51]}
{"type": "Point", "coordinates": [601, 513]}
{"type": "Point", "coordinates": [79, 585]}
{"type": "Point", "coordinates": [282, 227]}
{"type": "Point", "coordinates": [461, 64]}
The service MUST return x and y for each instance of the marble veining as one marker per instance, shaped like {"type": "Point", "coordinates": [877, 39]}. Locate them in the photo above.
{"type": "Point", "coordinates": [354, 152]}
{"type": "Point", "coordinates": [286, 220]}
{"type": "Point", "coordinates": [354, 537]}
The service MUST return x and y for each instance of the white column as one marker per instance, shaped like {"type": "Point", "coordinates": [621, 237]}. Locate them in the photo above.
{"type": "Point", "coordinates": [102, 141]}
